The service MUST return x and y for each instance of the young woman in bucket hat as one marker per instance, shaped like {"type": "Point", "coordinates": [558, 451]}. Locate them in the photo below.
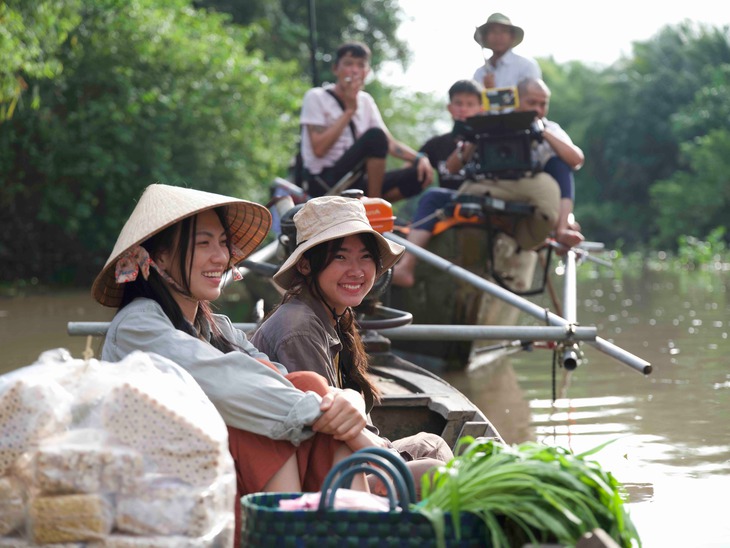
{"type": "Point", "coordinates": [285, 430]}
{"type": "Point", "coordinates": [338, 258]}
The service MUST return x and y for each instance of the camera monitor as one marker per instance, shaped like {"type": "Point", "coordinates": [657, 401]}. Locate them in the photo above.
{"type": "Point", "coordinates": [493, 124]}
{"type": "Point", "coordinates": [504, 144]}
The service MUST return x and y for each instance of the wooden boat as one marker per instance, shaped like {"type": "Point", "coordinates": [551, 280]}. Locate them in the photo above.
{"type": "Point", "coordinates": [415, 400]}
{"type": "Point", "coordinates": [474, 244]}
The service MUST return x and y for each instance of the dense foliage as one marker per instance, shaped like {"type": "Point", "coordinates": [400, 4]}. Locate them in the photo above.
{"type": "Point", "coordinates": [150, 91]}
{"type": "Point", "coordinates": [99, 99]}
{"type": "Point", "coordinates": [654, 131]}
{"type": "Point", "coordinates": [281, 28]}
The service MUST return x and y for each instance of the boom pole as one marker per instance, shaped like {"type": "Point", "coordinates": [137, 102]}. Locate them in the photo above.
{"type": "Point", "coordinates": [313, 42]}
{"type": "Point", "coordinates": [633, 361]}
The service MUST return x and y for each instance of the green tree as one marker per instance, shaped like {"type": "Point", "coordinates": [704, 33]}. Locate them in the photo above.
{"type": "Point", "coordinates": [631, 145]}
{"type": "Point", "coordinates": [281, 28]}
{"type": "Point", "coordinates": [695, 199]}
{"type": "Point", "coordinates": [151, 91]}
{"type": "Point", "coordinates": [31, 34]}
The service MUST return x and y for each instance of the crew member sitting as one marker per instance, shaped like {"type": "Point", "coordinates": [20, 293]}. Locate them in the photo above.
{"type": "Point", "coordinates": [343, 132]}
{"type": "Point", "coordinates": [537, 188]}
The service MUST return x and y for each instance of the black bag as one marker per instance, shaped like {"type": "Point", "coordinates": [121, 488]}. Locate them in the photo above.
{"type": "Point", "coordinates": [266, 526]}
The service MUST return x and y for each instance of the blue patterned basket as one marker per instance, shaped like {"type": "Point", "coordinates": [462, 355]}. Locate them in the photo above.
{"type": "Point", "coordinates": [264, 525]}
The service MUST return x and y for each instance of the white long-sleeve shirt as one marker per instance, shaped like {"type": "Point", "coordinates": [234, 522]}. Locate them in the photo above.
{"type": "Point", "coordinates": [510, 70]}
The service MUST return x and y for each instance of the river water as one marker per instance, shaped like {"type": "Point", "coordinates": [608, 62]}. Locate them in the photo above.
{"type": "Point", "coordinates": [670, 430]}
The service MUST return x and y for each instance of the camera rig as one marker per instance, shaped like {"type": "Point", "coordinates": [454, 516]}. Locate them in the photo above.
{"type": "Point", "coordinates": [503, 144]}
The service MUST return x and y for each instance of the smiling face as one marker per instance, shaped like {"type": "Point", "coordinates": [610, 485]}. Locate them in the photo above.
{"type": "Point", "coordinates": [349, 276]}
{"type": "Point", "coordinates": [208, 258]}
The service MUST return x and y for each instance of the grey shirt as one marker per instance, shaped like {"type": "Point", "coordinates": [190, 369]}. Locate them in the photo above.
{"type": "Point", "coordinates": [300, 335]}
{"type": "Point", "coordinates": [248, 394]}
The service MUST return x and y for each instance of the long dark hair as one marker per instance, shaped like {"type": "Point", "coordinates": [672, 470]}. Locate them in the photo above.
{"type": "Point", "coordinates": [156, 288]}
{"type": "Point", "coordinates": [353, 359]}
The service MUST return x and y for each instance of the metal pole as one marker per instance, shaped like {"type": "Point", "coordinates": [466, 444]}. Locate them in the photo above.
{"type": "Point", "coordinates": [427, 332]}
{"type": "Point", "coordinates": [518, 302]}
{"type": "Point", "coordinates": [419, 332]}
{"type": "Point", "coordinates": [571, 352]}
{"type": "Point", "coordinates": [313, 42]}
{"type": "Point", "coordinates": [569, 288]}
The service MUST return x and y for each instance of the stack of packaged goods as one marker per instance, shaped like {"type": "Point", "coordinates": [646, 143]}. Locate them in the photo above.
{"type": "Point", "coordinates": [119, 455]}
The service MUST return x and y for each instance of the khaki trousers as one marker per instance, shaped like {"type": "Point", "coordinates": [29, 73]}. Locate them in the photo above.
{"type": "Point", "coordinates": [541, 191]}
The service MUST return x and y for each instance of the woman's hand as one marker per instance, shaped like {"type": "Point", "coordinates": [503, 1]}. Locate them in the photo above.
{"type": "Point", "coordinates": [343, 415]}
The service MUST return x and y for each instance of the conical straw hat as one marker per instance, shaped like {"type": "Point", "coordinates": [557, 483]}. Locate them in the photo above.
{"type": "Point", "coordinates": [161, 206]}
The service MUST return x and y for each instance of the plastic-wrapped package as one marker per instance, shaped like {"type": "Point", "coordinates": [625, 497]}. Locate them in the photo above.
{"type": "Point", "coordinates": [125, 454]}
{"type": "Point", "coordinates": [12, 505]}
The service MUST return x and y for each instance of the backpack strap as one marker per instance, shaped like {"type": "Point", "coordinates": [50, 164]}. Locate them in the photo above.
{"type": "Point", "coordinates": [342, 106]}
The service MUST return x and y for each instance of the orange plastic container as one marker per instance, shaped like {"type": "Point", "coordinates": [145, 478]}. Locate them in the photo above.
{"type": "Point", "coordinates": [380, 214]}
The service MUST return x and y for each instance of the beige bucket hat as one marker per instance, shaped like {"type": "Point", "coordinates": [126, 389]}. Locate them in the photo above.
{"type": "Point", "coordinates": [161, 206]}
{"type": "Point", "coordinates": [328, 218]}
{"type": "Point", "coordinates": [499, 19]}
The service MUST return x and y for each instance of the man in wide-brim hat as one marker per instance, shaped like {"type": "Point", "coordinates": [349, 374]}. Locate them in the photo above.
{"type": "Point", "coordinates": [498, 20]}
{"type": "Point", "coordinates": [504, 68]}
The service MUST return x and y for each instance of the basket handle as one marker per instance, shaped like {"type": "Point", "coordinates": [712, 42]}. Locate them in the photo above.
{"type": "Point", "coordinates": [399, 463]}
{"type": "Point", "coordinates": [327, 499]}
{"type": "Point", "coordinates": [342, 473]}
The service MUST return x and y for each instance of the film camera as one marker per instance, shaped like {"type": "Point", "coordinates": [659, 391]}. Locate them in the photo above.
{"type": "Point", "coordinates": [503, 144]}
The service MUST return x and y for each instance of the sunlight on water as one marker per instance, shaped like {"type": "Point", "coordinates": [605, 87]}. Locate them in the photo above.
{"type": "Point", "coordinates": [667, 435]}
{"type": "Point", "coordinates": [565, 403]}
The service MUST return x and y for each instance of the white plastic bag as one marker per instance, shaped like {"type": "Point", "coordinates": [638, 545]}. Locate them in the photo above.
{"type": "Point", "coordinates": [114, 454]}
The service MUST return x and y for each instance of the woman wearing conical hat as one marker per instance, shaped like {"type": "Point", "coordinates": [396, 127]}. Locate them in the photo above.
{"type": "Point", "coordinates": [285, 430]}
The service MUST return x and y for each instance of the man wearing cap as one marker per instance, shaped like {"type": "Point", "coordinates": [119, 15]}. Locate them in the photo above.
{"type": "Point", "coordinates": [504, 68]}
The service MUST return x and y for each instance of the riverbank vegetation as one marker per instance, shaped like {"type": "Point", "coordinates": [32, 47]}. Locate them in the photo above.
{"type": "Point", "coordinates": [100, 99]}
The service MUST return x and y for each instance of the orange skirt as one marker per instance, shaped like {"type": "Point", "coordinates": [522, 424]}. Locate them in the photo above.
{"type": "Point", "coordinates": [257, 458]}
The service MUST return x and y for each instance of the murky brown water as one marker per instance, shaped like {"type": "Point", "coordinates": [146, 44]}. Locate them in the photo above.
{"type": "Point", "coordinates": [671, 428]}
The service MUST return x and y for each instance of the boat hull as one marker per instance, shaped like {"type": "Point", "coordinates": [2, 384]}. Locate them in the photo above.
{"type": "Point", "coordinates": [416, 400]}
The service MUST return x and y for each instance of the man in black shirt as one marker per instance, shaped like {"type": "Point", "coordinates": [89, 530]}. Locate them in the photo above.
{"type": "Point", "coordinates": [465, 100]}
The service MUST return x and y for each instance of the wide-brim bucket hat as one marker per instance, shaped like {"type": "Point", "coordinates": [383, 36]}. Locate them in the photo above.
{"type": "Point", "coordinates": [499, 19]}
{"type": "Point", "coordinates": [161, 206]}
{"type": "Point", "coordinates": [329, 218]}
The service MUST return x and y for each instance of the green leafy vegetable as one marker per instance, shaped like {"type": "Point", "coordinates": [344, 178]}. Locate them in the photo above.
{"type": "Point", "coordinates": [527, 493]}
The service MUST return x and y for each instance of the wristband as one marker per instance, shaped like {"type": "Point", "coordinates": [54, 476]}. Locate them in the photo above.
{"type": "Point", "coordinates": [419, 155]}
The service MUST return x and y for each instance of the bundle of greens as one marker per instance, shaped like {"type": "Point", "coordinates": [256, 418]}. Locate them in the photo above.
{"type": "Point", "coordinates": [527, 492]}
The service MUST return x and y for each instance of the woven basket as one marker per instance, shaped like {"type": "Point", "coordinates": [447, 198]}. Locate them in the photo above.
{"type": "Point", "coordinates": [266, 526]}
